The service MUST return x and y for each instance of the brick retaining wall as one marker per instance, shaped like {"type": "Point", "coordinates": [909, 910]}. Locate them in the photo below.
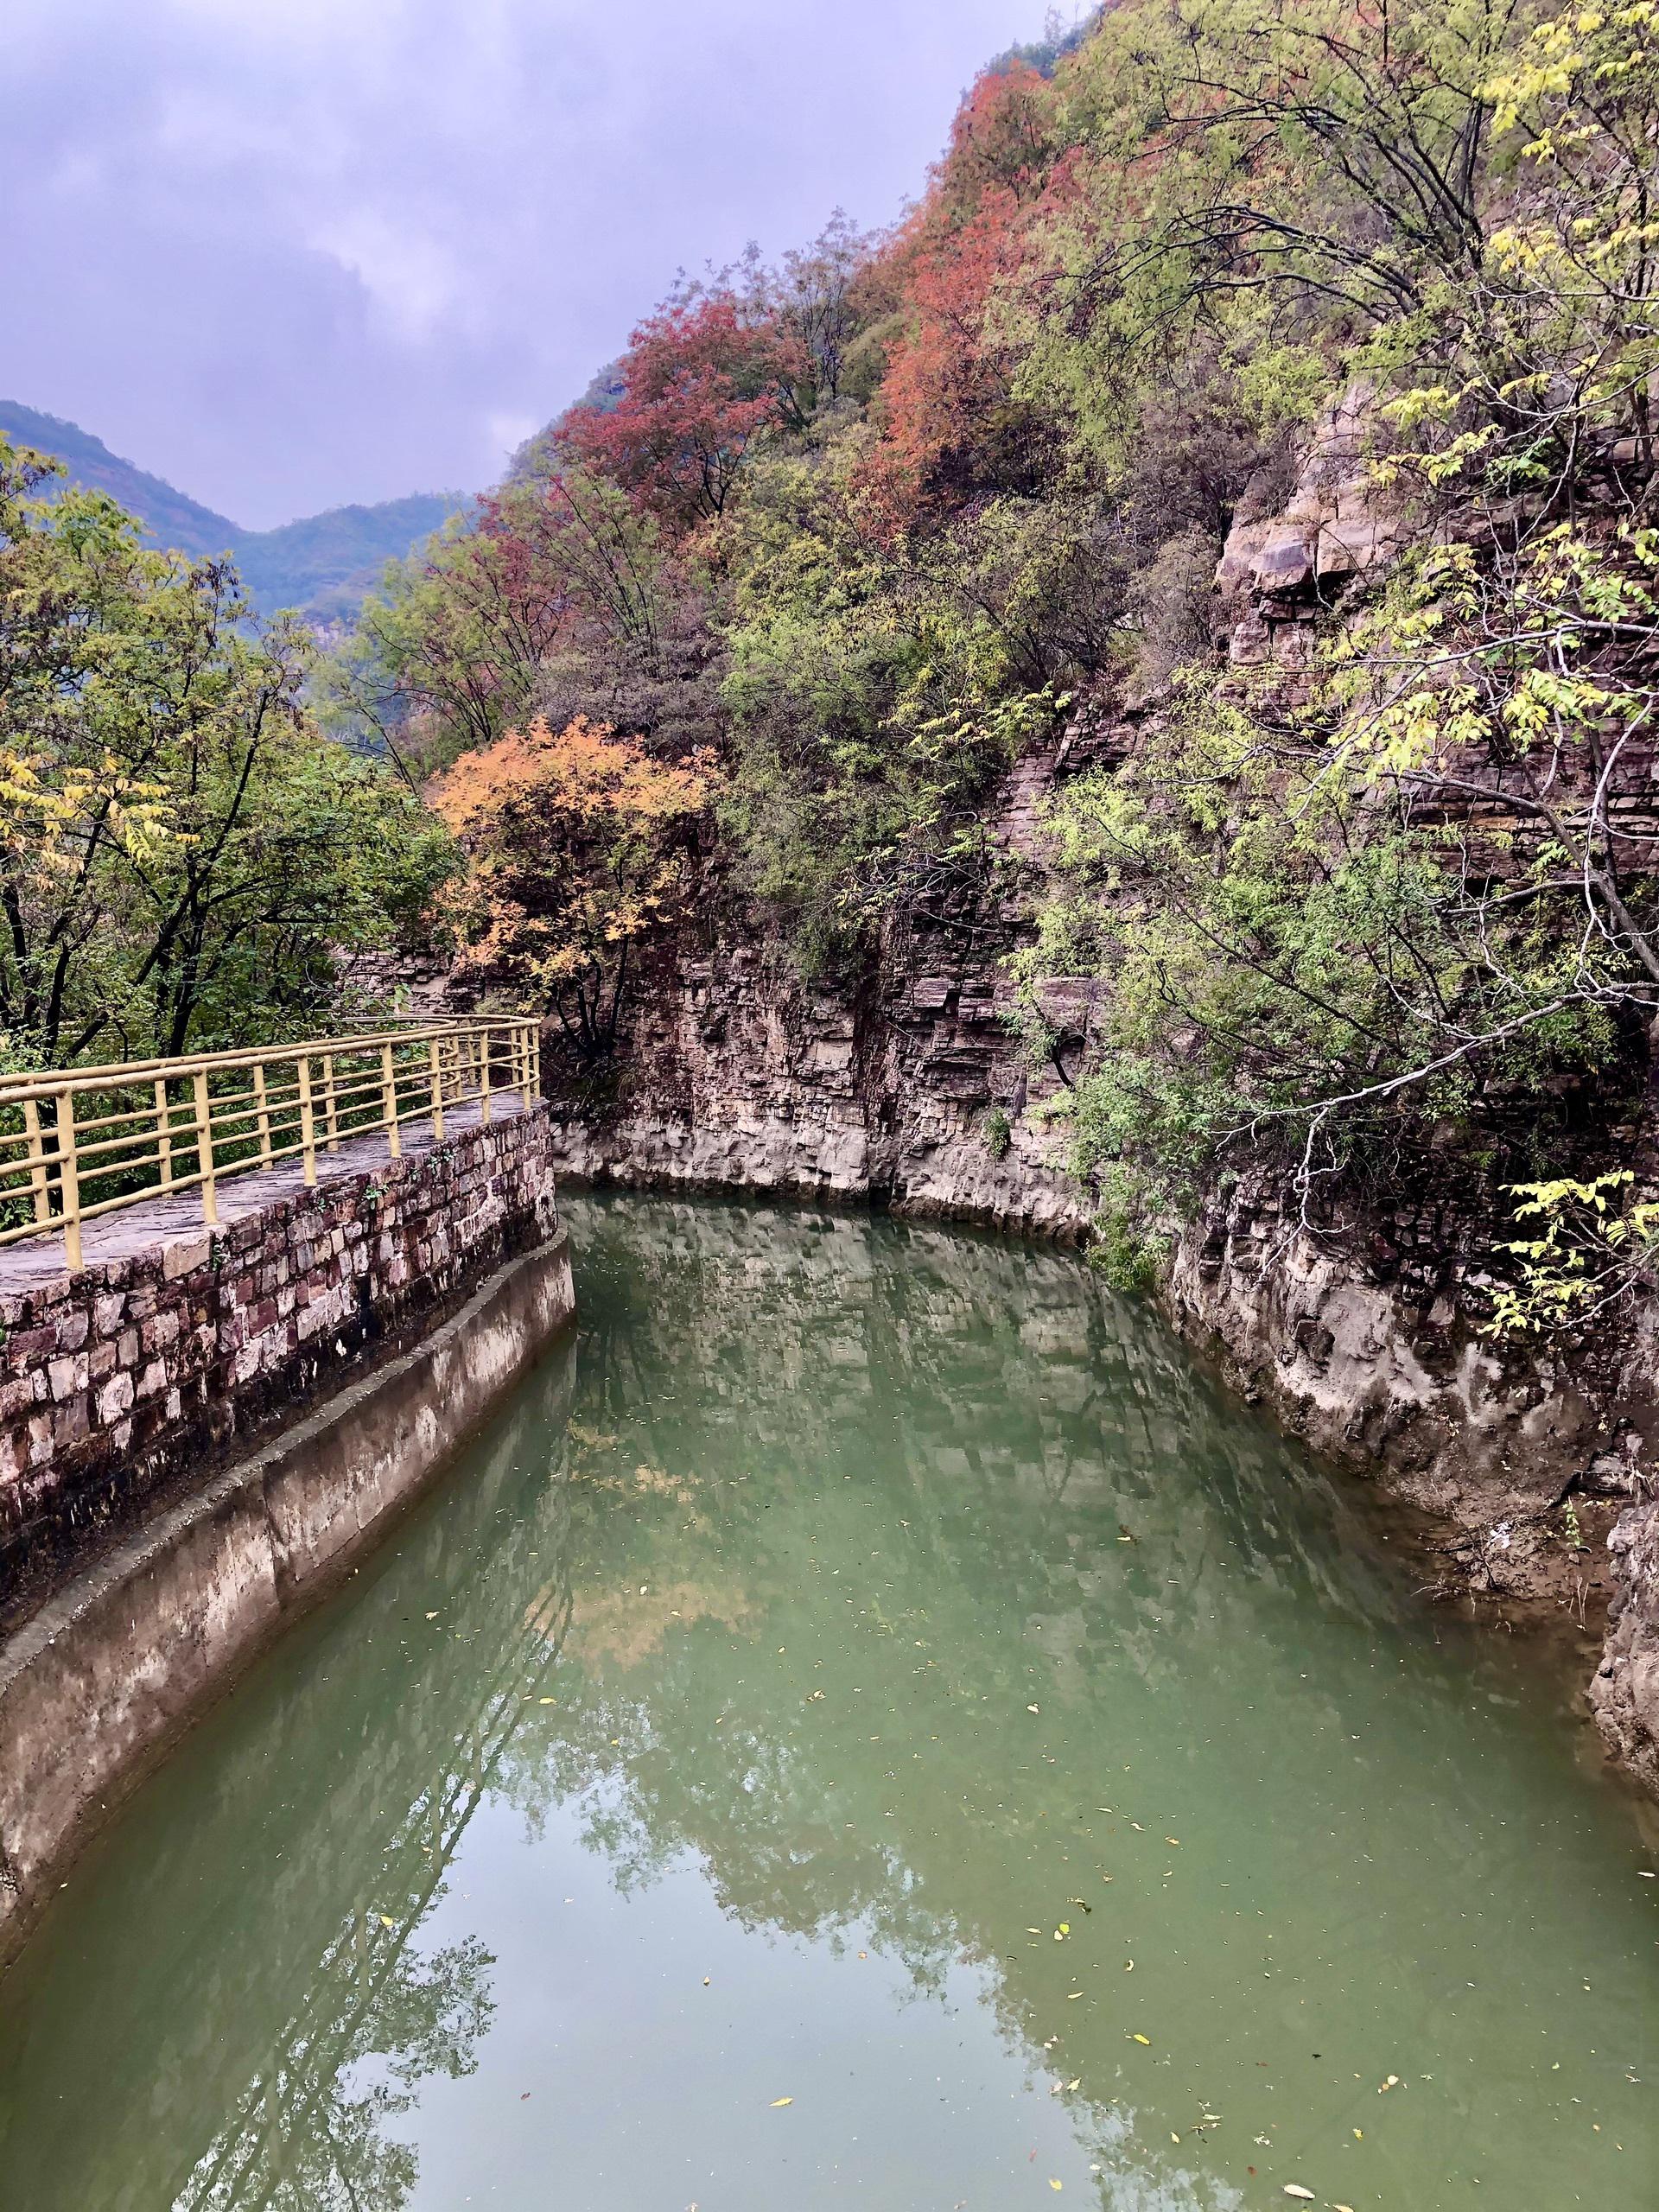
{"type": "Point", "coordinates": [114, 1380]}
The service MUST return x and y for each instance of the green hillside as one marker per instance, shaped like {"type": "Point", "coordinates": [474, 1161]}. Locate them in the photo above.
{"type": "Point", "coordinates": [322, 564]}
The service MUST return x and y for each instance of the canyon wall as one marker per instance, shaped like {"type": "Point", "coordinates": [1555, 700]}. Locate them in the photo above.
{"type": "Point", "coordinates": [904, 1084]}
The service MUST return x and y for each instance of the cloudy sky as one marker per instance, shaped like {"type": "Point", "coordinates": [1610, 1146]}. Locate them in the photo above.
{"type": "Point", "coordinates": [291, 253]}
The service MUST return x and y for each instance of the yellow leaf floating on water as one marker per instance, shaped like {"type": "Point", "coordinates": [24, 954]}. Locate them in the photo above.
{"type": "Point", "coordinates": [1055, 2184]}
{"type": "Point", "coordinates": [1359, 2135]}
{"type": "Point", "coordinates": [778, 2102]}
{"type": "Point", "coordinates": [1295, 2188]}
{"type": "Point", "coordinates": [1078, 2084]}
{"type": "Point", "coordinates": [1030, 1709]}
{"type": "Point", "coordinates": [387, 1923]}
{"type": "Point", "coordinates": [1145, 2039]}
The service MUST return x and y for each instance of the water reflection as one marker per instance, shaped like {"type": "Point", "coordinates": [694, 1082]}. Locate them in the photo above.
{"type": "Point", "coordinates": [902, 1602]}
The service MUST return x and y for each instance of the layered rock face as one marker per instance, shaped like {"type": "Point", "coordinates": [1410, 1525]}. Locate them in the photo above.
{"type": "Point", "coordinates": [907, 1088]}
{"type": "Point", "coordinates": [907, 1085]}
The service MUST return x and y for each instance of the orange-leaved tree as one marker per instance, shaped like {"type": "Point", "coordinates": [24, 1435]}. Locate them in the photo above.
{"type": "Point", "coordinates": [577, 843]}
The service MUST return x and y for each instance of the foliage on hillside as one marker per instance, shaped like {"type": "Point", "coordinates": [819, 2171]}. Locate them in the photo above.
{"type": "Point", "coordinates": [869, 524]}
{"type": "Point", "coordinates": [185, 861]}
{"type": "Point", "coordinates": [575, 847]}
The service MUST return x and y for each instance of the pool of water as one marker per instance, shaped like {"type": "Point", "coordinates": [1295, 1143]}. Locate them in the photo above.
{"type": "Point", "coordinates": [868, 1726]}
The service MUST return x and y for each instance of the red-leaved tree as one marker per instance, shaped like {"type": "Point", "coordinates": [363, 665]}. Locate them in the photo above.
{"type": "Point", "coordinates": [702, 377]}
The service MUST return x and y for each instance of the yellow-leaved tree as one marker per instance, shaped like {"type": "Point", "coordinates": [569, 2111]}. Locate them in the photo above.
{"type": "Point", "coordinates": [577, 843]}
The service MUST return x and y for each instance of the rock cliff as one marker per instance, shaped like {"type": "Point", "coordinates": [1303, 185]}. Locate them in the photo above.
{"type": "Point", "coordinates": [905, 1084]}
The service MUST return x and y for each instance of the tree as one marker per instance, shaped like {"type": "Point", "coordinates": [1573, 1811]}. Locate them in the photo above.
{"type": "Point", "coordinates": [576, 848]}
{"type": "Point", "coordinates": [702, 377]}
{"type": "Point", "coordinates": [184, 859]}
{"type": "Point", "coordinates": [816, 299]}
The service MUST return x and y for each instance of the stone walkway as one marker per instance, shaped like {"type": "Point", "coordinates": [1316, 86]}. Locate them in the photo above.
{"type": "Point", "coordinates": [155, 1222]}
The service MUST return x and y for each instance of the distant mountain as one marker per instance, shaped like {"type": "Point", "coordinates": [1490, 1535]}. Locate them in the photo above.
{"type": "Point", "coordinates": [323, 564]}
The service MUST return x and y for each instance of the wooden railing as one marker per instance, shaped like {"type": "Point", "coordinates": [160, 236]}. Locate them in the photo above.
{"type": "Point", "coordinates": [86, 1141]}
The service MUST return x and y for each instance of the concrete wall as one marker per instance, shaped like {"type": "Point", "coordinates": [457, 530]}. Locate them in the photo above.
{"type": "Point", "coordinates": [116, 1382]}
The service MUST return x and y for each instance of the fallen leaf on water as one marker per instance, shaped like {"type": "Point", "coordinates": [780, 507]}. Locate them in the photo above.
{"type": "Point", "coordinates": [1072, 1996]}
{"type": "Point", "coordinates": [778, 2101]}
{"type": "Point", "coordinates": [706, 1980]}
{"type": "Point", "coordinates": [1030, 1709]}
{"type": "Point", "coordinates": [1173, 2136]}
{"type": "Point", "coordinates": [1392, 2083]}
{"type": "Point", "coordinates": [1295, 2188]}
{"type": "Point", "coordinates": [547, 1700]}
{"type": "Point", "coordinates": [385, 1921]}
{"type": "Point", "coordinates": [1175, 1839]}
{"type": "Point", "coordinates": [1359, 2135]}
{"type": "Point", "coordinates": [1055, 2184]}
{"type": "Point", "coordinates": [1078, 2084]}
{"type": "Point", "coordinates": [1145, 2039]}
{"type": "Point", "coordinates": [431, 1617]}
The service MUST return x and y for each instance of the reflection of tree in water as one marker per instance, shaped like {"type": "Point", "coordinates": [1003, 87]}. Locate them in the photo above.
{"type": "Point", "coordinates": [308, 2131]}
{"type": "Point", "coordinates": [302, 2139]}
{"type": "Point", "coordinates": [752, 1366]}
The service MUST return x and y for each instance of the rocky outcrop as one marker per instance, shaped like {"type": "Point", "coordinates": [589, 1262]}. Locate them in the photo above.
{"type": "Point", "coordinates": [1625, 1695]}
{"type": "Point", "coordinates": [911, 1092]}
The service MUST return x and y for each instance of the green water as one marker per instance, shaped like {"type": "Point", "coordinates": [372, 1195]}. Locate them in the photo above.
{"type": "Point", "coordinates": [837, 1665]}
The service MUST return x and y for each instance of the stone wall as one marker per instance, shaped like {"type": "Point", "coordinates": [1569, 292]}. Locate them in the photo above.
{"type": "Point", "coordinates": [115, 1381]}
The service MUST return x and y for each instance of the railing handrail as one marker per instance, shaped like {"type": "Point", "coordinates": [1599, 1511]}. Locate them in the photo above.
{"type": "Point", "coordinates": [49, 1083]}
{"type": "Point", "coordinates": [190, 1132]}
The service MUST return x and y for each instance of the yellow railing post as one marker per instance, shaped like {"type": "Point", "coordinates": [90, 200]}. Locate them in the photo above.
{"type": "Point", "coordinates": [330, 1118]}
{"type": "Point", "coordinates": [69, 1179]}
{"type": "Point", "coordinates": [205, 1148]}
{"type": "Point", "coordinates": [308, 1125]}
{"type": "Point", "coordinates": [486, 1071]}
{"type": "Point", "coordinates": [436, 1060]}
{"type": "Point", "coordinates": [37, 1185]}
{"type": "Point", "coordinates": [163, 1134]}
{"type": "Point", "coordinates": [262, 1113]}
{"type": "Point", "coordinates": [389, 1100]}
{"type": "Point", "coordinates": [532, 1045]}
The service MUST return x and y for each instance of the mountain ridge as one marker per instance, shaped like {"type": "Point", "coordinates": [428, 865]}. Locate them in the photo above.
{"type": "Point", "coordinates": [323, 564]}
